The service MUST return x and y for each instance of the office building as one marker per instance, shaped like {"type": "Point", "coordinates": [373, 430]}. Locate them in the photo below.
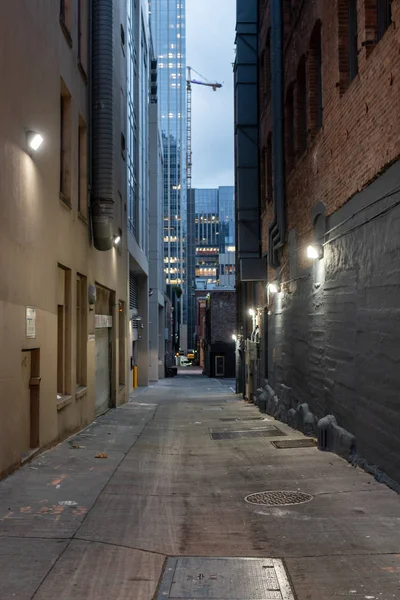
{"type": "Point", "coordinates": [211, 245]}
{"type": "Point", "coordinates": [63, 248]}
{"type": "Point", "coordinates": [168, 25]}
{"type": "Point", "coordinates": [326, 324]}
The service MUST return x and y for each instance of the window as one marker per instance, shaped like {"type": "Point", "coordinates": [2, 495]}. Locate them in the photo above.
{"type": "Point", "coordinates": [289, 128]}
{"type": "Point", "coordinates": [82, 170]}
{"type": "Point", "coordinates": [353, 38]}
{"type": "Point", "coordinates": [121, 343]}
{"type": "Point", "coordinates": [268, 170]}
{"type": "Point", "coordinates": [267, 68]}
{"type": "Point", "coordinates": [348, 42]}
{"type": "Point", "coordinates": [81, 330]}
{"type": "Point", "coordinates": [378, 17]}
{"type": "Point", "coordinates": [63, 330]}
{"type": "Point", "coordinates": [263, 177]}
{"type": "Point", "coordinates": [83, 36]}
{"type": "Point", "coordinates": [262, 81]}
{"type": "Point", "coordinates": [301, 108]}
{"type": "Point", "coordinates": [384, 16]}
{"type": "Point", "coordinates": [315, 80]}
{"type": "Point", "coordinates": [65, 19]}
{"type": "Point", "coordinates": [65, 145]}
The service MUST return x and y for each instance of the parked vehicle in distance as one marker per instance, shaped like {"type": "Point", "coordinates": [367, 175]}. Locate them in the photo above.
{"type": "Point", "coordinates": [185, 362]}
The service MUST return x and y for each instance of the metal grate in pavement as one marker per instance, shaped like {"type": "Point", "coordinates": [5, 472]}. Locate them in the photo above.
{"type": "Point", "coordinates": [302, 443]}
{"type": "Point", "coordinates": [234, 419]}
{"type": "Point", "coordinates": [278, 498]}
{"type": "Point", "coordinates": [198, 578]}
{"type": "Point", "coordinates": [238, 435]}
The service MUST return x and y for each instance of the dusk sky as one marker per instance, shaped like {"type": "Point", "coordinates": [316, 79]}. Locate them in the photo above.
{"type": "Point", "coordinates": [210, 51]}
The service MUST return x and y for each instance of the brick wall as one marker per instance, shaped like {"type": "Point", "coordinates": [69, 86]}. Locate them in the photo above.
{"type": "Point", "coordinates": [223, 316]}
{"type": "Point", "coordinates": [358, 138]}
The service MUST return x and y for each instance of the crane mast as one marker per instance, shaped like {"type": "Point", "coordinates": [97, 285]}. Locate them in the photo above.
{"type": "Point", "coordinates": [189, 83]}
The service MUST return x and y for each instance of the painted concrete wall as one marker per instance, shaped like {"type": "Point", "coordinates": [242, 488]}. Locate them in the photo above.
{"type": "Point", "coordinates": [37, 230]}
{"type": "Point", "coordinates": [334, 333]}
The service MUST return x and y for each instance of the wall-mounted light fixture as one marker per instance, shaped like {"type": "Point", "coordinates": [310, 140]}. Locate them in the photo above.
{"type": "Point", "coordinates": [273, 288]}
{"type": "Point", "coordinates": [34, 140]}
{"type": "Point", "coordinates": [117, 239]}
{"type": "Point", "coordinates": [252, 312]}
{"type": "Point", "coordinates": [234, 337]}
{"type": "Point", "coordinates": [315, 251]}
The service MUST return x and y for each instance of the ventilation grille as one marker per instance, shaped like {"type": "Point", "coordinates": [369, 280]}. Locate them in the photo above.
{"type": "Point", "coordinates": [133, 297]}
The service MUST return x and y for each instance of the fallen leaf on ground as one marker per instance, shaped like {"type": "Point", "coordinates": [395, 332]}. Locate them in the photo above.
{"type": "Point", "coordinates": [101, 455]}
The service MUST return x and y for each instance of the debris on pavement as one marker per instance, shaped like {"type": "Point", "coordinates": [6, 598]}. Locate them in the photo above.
{"type": "Point", "coordinates": [68, 503]}
{"type": "Point", "coordinates": [101, 455]}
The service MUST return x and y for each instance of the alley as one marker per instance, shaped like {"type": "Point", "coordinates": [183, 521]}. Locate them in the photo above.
{"type": "Point", "coordinates": [165, 476]}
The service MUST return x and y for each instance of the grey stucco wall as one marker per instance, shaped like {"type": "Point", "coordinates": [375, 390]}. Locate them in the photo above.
{"type": "Point", "coordinates": [334, 334]}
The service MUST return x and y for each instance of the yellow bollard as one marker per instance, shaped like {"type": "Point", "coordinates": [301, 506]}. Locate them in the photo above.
{"type": "Point", "coordinates": [135, 377]}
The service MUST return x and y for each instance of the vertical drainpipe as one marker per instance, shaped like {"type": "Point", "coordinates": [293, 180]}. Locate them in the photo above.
{"type": "Point", "coordinates": [277, 229]}
{"type": "Point", "coordinates": [90, 53]}
{"type": "Point", "coordinates": [102, 119]}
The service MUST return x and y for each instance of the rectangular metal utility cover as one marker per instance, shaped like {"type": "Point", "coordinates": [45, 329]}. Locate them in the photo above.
{"type": "Point", "coordinates": [301, 443]}
{"type": "Point", "coordinates": [268, 431]}
{"type": "Point", "coordinates": [197, 578]}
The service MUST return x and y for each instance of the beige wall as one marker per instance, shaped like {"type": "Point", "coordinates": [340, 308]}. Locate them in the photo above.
{"type": "Point", "coordinates": [37, 230]}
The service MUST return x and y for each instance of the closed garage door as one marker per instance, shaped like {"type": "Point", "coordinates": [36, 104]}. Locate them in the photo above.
{"type": "Point", "coordinates": [102, 371]}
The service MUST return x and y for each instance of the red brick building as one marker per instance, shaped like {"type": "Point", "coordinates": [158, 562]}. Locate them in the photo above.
{"type": "Point", "coordinates": [329, 176]}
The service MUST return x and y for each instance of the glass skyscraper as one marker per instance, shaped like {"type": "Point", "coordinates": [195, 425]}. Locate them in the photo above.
{"type": "Point", "coordinates": [168, 24]}
{"type": "Point", "coordinates": [210, 243]}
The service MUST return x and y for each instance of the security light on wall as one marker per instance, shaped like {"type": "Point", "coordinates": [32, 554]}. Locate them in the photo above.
{"type": "Point", "coordinates": [315, 251]}
{"type": "Point", "coordinates": [252, 312]}
{"type": "Point", "coordinates": [273, 288]}
{"type": "Point", "coordinates": [234, 337]}
{"type": "Point", "coordinates": [34, 140]}
{"type": "Point", "coordinates": [117, 239]}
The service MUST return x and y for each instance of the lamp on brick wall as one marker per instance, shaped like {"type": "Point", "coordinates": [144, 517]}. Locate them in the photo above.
{"type": "Point", "coordinates": [315, 251]}
{"type": "Point", "coordinates": [273, 287]}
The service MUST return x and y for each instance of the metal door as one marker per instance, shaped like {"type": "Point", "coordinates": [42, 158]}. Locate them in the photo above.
{"type": "Point", "coordinates": [220, 366]}
{"type": "Point", "coordinates": [103, 379]}
{"type": "Point", "coordinates": [24, 420]}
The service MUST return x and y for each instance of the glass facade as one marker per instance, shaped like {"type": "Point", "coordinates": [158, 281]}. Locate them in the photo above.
{"type": "Point", "coordinates": [168, 25]}
{"type": "Point", "coordinates": [211, 243]}
{"type": "Point", "coordinates": [226, 198]}
{"type": "Point", "coordinates": [138, 66]}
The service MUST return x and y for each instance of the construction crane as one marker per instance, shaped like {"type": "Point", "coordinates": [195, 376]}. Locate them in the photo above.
{"type": "Point", "coordinates": [215, 86]}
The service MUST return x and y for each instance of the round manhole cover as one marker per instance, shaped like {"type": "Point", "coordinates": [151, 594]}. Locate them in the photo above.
{"type": "Point", "coordinates": [278, 498]}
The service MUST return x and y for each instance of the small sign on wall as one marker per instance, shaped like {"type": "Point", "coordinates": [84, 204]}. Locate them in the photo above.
{"type": "Point", "coordinates": [102, 321]}
{"type": "Point", "coordinates": [30, 322]}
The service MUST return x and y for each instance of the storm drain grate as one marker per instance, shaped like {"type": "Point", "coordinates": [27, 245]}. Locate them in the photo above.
{"type": "Point", "coordinates": [233, 419]}
{"type": "Point", "coordinates": [303, 443]}
{"type": "Point", "coordinates": [255, 433]}
{"type": "Point", "coordinates": [278, 498]}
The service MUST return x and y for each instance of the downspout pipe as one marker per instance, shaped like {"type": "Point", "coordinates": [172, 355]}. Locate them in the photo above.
{"type": "Point", "coordinates": [102, 119]}
{"type": "Point", "coordinates": [277, 229]}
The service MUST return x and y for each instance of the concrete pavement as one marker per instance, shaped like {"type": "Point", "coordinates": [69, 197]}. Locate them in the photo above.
{"type": "Point", "coordinates": [75, 527]}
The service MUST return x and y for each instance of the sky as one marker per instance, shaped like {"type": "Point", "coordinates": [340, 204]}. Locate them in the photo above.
{"type": "Point", "coordinates": [210, 37]}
